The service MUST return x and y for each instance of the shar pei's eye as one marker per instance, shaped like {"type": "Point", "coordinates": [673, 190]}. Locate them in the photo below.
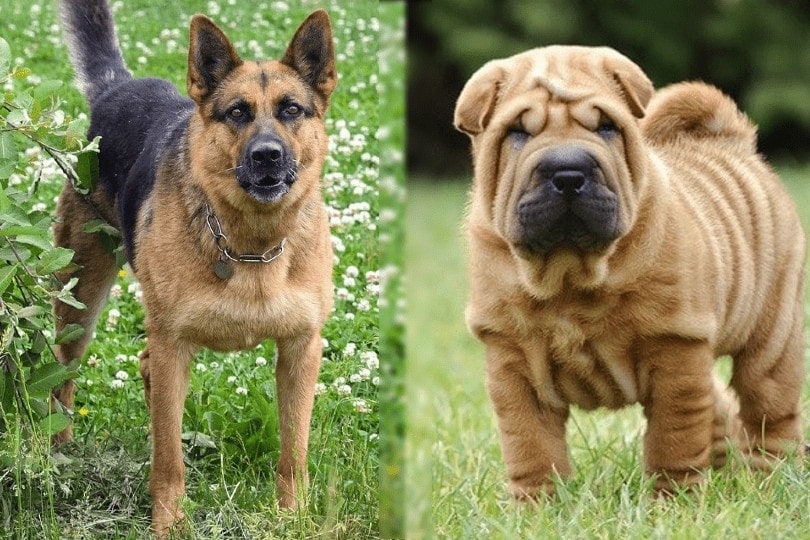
{"type": "Point", "coordinates": [607, 129]}
{"type": "Point", "coordinates": [518, 137]}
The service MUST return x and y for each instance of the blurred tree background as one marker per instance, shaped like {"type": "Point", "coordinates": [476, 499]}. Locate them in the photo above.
{"type": "Point", "coordinates": [757, 51]}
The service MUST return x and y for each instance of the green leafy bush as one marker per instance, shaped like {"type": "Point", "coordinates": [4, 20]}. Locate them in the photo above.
{"type": "Point", "coordinates": [32, 123]}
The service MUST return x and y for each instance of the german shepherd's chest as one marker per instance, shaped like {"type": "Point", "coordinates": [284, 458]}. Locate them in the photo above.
{"type": "Point", "coordinates": [257, 301]}
{"type": "Point", "coordinates": [246, 309]}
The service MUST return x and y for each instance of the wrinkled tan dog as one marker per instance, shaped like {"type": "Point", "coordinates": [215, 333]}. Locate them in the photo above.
{"type": "Point", "coordinates": [621, 241]}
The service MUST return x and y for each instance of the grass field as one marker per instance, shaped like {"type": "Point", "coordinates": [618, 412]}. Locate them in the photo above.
{"type": "Point", "coordinates": [457, 482]}
{"type": "Point", "coordinates": [96, 485]}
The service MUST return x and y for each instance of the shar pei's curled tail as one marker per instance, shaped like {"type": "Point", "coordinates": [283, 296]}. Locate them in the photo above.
{"type": "Point", "coordinates": [697, 110]}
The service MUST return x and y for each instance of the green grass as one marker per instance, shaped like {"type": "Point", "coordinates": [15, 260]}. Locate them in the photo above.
{"type": "Point", "coordinates": [456, 478]}
{"type": "Point", "coordinates": [96, 485]}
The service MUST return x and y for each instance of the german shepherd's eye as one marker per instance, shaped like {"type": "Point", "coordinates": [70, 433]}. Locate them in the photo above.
{"type": "Point", "coordinates": [239, 113]}
{"type": "Point", "coordinates": [290, 111]}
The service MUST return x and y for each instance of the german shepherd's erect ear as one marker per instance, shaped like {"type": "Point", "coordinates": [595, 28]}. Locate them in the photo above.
{"type": "Point", "coordinates": [211, 57]}
{"type": "Point", "coordinates": [311, 53]}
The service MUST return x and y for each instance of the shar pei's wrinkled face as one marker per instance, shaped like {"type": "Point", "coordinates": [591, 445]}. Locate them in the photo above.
{"type": "Point", "coordinates": [557, 150]}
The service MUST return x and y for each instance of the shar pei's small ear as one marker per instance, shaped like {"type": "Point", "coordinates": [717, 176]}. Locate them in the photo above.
{"type": "Point", "coordinates": [635, 86]}
{"type": "Point", "coordinates": [478, 98]}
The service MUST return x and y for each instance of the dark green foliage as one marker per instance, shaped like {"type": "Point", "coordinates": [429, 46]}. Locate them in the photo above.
{"type": "Point", "coordinates": [757, 52]}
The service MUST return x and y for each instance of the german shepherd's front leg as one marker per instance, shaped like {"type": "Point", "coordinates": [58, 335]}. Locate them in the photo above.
{"type": "Point", "coordinates": [168, 374]}
{"type": "Point", "coordinates": [297, 368]}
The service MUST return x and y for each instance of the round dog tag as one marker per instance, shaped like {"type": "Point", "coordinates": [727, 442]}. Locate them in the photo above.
{"type": "Point", "coordinates": [222, 269]}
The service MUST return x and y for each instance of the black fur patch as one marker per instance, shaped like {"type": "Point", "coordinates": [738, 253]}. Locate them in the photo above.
{"type": "Point", "coordinates": [139, 121]}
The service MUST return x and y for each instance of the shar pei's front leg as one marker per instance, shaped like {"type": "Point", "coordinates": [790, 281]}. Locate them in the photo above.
{"type": "Point", "coordinates": [679, 404]}
{"type": "Point", "coordinates": [532, 433]}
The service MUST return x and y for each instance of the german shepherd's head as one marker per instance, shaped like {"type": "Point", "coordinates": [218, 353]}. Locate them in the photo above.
{"type": "Point", "coordinates": [259, 124]}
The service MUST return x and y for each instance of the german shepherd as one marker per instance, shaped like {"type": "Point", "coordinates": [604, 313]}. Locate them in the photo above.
{"type": "Point", "coordinates": [219, 205]}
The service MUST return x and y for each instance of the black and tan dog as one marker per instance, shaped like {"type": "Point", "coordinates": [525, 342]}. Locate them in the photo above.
{"type": "Point", "coordinates": [218, 201]}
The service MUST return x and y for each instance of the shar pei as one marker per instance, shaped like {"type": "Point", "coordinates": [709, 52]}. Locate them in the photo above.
{"type": "Point", "coordinates": [621, 240]}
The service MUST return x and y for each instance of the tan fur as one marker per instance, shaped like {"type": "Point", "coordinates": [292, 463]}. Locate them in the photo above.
{"type": "Point", "coordinates": [709, 262]}
{"type": "Point", "coordinates": [187, 305]}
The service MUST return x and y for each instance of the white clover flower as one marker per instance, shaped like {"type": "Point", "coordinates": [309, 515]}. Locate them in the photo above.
{"type": "Point", "coordinates": [363, 305]}
{"type": "Point", "coordinates": [213, 8]}
{"type": "Point", "coordinates": [350, 349]}
{"type": "Point", "coordinates": [364, 374]}
{"type": "Point", "coordinates": [116, 291]}
{"type": "Point", "coordinates": [231, 379]}
{"type": "Point", "coordinates": [339, 382]}
{"type": "Point", "coordinates": [121, 375]}
{"type": "Point", "coordinates": [354, 378]}
{"type": "Point", "coordinates": [120, 358]}
{"type": "Point", "coordinates": [337, 244]}
{"type": "Point", "coordinates": [89, 382]}
{"type": "Point", "coordinates": [261, 361]}
{"type": "Point", "coordinates": [373, 276]}
{"type": "Point", "coordinates": [342, 293]}
{"type": "Point", "coordinates": [112, 317]}
{"type": "Point", "coordinates": [241, 390]}
{"type": "Point", "coordinates": [352, 271]}
{"type": "Point", "coordinates": [371, 359]}
{"type": "Point", "coordinates": [344, 390]}
{"type": "Point", "coordinates": [320, 388]}
{"type": "Point", "coordinates": [373, 288]}
{"type": "Point", "coordinates": [349, 281]}
{"type": "Point", "coordinates": [361, 406]}
{"type": "Point", "coordinates": [134, 287]}
{"type": "Point", "coordinates": [116, 384]}
{"type": "Point", "coordinates": [93, 361]}
{"type": "Point", "coordinates": [349, 316]}
{"type": "Point", "coordinates": [214, 365]}
{"type": "Point", "coordinates": [325, 343]}
{"type": "Point", "coordinates": [375, 381]}
{"type": "Point", "coordinates": [202, 368]}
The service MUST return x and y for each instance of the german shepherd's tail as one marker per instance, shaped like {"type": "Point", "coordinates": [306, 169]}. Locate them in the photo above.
{"type": "Point", "coordinates": [93, 46]}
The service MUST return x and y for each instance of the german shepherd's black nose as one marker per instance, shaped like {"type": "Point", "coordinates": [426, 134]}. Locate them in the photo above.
{"type": "Point", "coordinates": [267, 169]}
{"type": "Point", "coordinates": [266, 152]}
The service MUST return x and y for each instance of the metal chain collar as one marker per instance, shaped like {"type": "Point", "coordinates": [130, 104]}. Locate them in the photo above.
{"type": "Point", "coordinates": [221, 242]}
